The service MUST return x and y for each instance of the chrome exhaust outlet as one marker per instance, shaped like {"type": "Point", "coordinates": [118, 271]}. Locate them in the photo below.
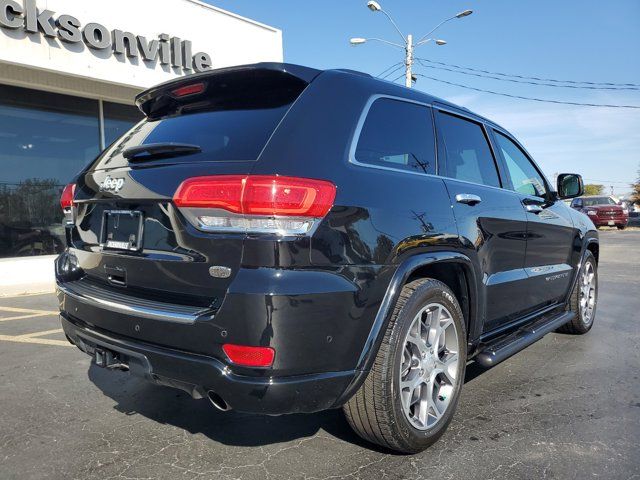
{"type": "Point", "coordinates": [217, 401]}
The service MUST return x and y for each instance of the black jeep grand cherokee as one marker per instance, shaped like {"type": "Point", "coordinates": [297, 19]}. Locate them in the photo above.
{"type": "Point", "coordinates": [281, 239]}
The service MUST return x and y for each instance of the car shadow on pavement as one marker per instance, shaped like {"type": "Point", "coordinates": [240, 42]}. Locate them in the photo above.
{"type": "Point", "coordinates": [134, 396]}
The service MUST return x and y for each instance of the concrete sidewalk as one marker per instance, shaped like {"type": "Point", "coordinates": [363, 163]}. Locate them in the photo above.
{"type": "Point", "coordinates": [26, 275]}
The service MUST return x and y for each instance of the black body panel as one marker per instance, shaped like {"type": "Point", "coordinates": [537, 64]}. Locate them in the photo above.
{"type": "Point", "coordinates": [320, 300]}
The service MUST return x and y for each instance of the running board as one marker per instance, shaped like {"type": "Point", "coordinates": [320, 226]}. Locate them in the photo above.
{"type": "Point", "coordinates": [493, 353]}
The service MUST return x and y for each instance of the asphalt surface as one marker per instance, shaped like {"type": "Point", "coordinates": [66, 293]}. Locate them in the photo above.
{"type": "Point", "coordinates": [566, 407]}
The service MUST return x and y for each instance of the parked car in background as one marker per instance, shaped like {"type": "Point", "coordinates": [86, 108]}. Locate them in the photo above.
{"type": "Point", "coordinates": [603, 211]}
{"type": "Point", "coordinates": [280, 239]}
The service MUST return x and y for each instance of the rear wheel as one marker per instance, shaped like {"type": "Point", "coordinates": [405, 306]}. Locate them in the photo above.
{"type": "Point", "coordinates": [621, 227]}
{"type": "Point", "coordinates": [584, 298]}
{"type": "Point", "coordinates": [410, 394]}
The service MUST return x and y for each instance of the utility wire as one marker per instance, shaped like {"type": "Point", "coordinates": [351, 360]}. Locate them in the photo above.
{"type": "Point", "coordinates": [397, 78]}
{"type": "Point", "coordinates": [392, 72]}
{"type": "Point", "coordinates": [422, 61]}
{"type": "Point", "coordinates": [575, 82]}
{"type": "Point", "coordinates": [608, 181]}
{"type": "Point", "coordinates": [388, 68]}
{"type": "Point", "coordinates": [534, 99]}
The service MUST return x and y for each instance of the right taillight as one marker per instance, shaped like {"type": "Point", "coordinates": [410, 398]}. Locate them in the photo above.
{"type": "Point", "coordinates": [255, 203]}
{"type": "Point", "coordinates": [66, 199]}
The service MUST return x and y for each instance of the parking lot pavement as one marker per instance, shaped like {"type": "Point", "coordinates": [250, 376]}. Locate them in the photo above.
{"type": "Point", "coordinates": [567, 407]}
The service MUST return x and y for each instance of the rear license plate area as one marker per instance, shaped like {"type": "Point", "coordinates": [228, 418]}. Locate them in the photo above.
{"type": "Point", "coordinates": [122, 230]}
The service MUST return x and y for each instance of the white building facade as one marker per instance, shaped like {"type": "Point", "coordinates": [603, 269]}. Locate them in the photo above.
{"type": "Point", "coordinates": [69, 71]}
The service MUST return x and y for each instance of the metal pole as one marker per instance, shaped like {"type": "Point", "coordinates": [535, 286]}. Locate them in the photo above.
{"type": "Point", "coordinates": [409, 61]}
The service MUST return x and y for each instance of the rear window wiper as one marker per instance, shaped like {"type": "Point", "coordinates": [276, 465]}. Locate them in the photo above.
{"type": "Point", "coordinates": [158, 150]}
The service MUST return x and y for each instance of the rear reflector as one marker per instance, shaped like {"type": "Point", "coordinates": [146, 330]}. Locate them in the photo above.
{"type": "Point", "coordinates": [249, 356]}
{"type": "Point", "coordinates": [188, 90]}
{"type": "Point", "coordinates": [66, 199]}
{"type": "Point", "coordinates": [268, 195]}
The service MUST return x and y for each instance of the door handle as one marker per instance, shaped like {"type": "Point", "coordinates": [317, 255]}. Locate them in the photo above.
{"type": "Point", "coordinates": [533, 208]}
{"type": "Point", "coordinates": [468, 198]}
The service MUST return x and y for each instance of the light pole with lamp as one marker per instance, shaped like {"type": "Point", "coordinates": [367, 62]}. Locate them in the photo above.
{"type": "Point", "coordinates": [408, 46]}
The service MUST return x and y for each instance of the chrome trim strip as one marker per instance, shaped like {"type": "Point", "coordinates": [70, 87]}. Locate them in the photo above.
{"type": "Point", "coordinates": [188, 315]}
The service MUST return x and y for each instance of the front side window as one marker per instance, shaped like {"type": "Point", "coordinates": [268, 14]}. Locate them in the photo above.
{"type": "Point", "coordinates": [466, 151]}
{"type": "Point", "coordinates": [398, 134]}
{"type": "Point", "coordinates": [524, 176]}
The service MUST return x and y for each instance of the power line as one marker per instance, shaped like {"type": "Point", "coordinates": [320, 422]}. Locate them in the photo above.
{"type": "Point", "coordinates": [388, 68]}
{"type": "Point", "coordinates": [534, 99]}
{"type": "Point", "coordinates": [397, 78]}
{"type": "Point", "coordinates": [540, 79]}
{"type": "Point", "coordinates": [529, 82]}
{"type": "Point", "coordinates": [399, 67]}
{"type": "Point", "coordinates": [608, 181]}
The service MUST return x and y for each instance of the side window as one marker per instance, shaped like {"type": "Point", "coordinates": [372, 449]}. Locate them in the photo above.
{"type": "Point", "coordinates": [398, 134]}
{"type": "Point", "coordinates": [524, 176]}
{"type": "Point", "coordinates": [466, 150]}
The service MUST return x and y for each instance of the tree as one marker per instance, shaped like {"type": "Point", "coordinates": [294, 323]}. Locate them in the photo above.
{"type": "Point", "coordinates": [593, 189]}
{"type": "Point", "coordinates": [635, 196]}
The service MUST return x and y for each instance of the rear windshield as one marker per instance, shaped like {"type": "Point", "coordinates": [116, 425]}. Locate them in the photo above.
{"type": "Point", "coordinates": [232, 123]}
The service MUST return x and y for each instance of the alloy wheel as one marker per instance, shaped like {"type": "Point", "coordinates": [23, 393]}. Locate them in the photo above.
{"type": "Point", "coordinates": [429, 366]}
{"type": "Point", "coordinates": [588, 293]}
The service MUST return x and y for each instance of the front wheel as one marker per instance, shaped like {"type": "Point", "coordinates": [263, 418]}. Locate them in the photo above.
{"type": "Point", "coordinates": [411, 392]}
{"type": "Point", "coordinates": [584, 298]}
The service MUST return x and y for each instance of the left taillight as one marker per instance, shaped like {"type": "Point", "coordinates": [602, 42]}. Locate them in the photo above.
{"type": "Point", "coordinates": [255, 203]}
{"type": "Point", "coordinates": [66, 199]}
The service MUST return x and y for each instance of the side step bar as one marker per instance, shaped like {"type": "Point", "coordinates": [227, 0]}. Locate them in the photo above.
{"type": "Point", "coordinates": [493, 353]}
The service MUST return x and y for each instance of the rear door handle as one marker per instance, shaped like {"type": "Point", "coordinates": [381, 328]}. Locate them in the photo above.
{"type": "Point", "coordinates": [468, 198]}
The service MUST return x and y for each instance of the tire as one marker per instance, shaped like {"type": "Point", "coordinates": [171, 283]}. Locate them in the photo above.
{"type": "Point", "coordinates": [376, 411]}
{"type": "Point", "coordinates": [584, 319]}
{"type": "Point", "coordinates": [621, 227]}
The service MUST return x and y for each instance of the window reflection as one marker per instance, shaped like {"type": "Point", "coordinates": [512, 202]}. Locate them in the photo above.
{"type": "Point", "coordinates": [45, 139]}
{"type": "Point", "coordinates": [118, 119]}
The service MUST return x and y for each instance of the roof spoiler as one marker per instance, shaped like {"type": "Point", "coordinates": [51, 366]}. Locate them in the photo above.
{"type": "Point", "coordinates": [174, 94]}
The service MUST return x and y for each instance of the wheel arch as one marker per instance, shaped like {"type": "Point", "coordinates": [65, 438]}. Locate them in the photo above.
{"type": "Point", "coordinates": [589, 244]}
{"type": "Point", "coordinates": [441, 265]}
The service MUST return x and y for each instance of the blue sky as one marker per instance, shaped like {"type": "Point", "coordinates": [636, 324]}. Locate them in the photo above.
{"type": "Point", "coordinates": [569, 40]}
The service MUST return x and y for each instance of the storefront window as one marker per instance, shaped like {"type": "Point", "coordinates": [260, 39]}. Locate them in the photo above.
{"type": "Point", "coordinates": [45, 140]}
{"type": "Point", "coordinates": [118, 119]}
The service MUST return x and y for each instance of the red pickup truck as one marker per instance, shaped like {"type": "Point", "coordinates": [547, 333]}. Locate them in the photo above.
{"type": "Point", "coordinates": [603, 211]}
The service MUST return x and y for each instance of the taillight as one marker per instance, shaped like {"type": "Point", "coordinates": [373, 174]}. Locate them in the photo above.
{"type": "Point", "coordinates": [249, 356]}
{"type": "Point", "coordinates": [66, 199]}
{"type": "Point", "coordinates": [255, 203]}
{"type": "Point", "coordinates": [188, 90]}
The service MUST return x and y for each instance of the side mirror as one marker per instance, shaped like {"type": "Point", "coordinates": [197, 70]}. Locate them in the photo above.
{"type": "Point", "coordinates": [570, 185]}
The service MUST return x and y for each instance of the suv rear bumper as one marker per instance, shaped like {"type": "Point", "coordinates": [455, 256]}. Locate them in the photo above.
{"type": "Point", "coordinates": [199, 374]}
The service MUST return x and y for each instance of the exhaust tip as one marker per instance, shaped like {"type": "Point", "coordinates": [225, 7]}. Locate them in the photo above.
{"type": "Point", "coordinates": [217, 401]}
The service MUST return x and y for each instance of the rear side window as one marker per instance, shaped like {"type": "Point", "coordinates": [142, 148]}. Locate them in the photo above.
{"type": "Point", "coordinates": [398, 134]}
{"type": "Point", "coordinates": [524, 176]}
{"type": "Point", "coordinates": [466, 151]}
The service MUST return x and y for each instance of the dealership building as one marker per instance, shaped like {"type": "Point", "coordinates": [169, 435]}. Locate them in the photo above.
{"type": "Point", "coordinates": [69, 72]}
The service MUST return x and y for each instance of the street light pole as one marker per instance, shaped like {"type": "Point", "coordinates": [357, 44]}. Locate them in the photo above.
{"type": "Point", "coordinates": [408, 62]}
{"type": "Point", "coordinates": [408, 46]}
